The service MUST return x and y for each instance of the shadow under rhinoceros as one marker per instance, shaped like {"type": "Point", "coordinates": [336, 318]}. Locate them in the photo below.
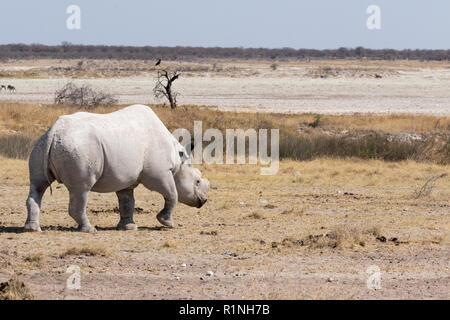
{"type": "Point", "coordinates": [6, 229]}
{"type": "Point", "coordinates": [158, 228]}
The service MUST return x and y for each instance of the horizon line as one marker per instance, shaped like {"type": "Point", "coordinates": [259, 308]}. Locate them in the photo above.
{"type": "Point", "coordinates": [68, 43]}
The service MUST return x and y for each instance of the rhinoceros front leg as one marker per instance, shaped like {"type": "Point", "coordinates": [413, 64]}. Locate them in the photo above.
{"type": "Point", "coordinates": [34, 206]}
{"type": "Point", "coordinates": [165, 215]}
{"type": "Point", "coordinates": [77, 210]}
{"type": "Point", "coordinates": [126, 208]}
{"type": "Point", "coordinates": [165, 185]}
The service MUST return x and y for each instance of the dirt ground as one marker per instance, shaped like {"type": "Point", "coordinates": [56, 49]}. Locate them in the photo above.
{"type": "Point", "coordinates": [311, 231]}
{"type": "Point", "coordinates": [270, 86]}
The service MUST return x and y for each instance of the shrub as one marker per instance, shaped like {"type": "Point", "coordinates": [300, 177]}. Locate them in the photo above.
{"type": "Point", "coordinates": [372, 146]}
{"type": "Point", "coordinates": [316, 121]}
{"type": "Point", "coordinates": [83, 96]}
{"type": "Point", "coordinates": [72, 51]}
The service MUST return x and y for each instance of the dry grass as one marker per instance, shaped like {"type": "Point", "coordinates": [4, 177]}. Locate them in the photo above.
{"type": "Point", "coordinates": [339, 238]}
{"type": "Point", "coordinates": [256, 215]}
{"type": "Point", "coordinates": [86, 250]}
{"type": "Point", "coordinates": [15, 289]}
{"type": "Point", "coordinates": [34, 258]}
{"type": "Point", "coordinates": [366, 135]}
{"type": "Point", "coordinates": [19, 117]}
{"type": "Point", "coordinates": [16, 146]}
{"type": "Point", "coordinates": [169, 244]}
{"type": "Point", "coordinates": [428, 186]}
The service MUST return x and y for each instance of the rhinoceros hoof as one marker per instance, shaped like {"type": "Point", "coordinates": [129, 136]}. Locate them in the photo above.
{"type": "Point", "coordinates": [127, 226]}
{"type": "Point", "coordinates": [87, 229]}
{"type": "Point", "coordinates": [164, 221]}
{"type": "Point", "coordinates": [32, 227]}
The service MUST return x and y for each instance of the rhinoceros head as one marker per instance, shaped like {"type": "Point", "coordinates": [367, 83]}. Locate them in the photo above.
{"type": "Point", "coordinates": [191, 187]}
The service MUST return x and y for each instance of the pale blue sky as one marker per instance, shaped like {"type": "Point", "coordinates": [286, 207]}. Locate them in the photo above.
{"type": "Point", "coordinates": [414, 24]}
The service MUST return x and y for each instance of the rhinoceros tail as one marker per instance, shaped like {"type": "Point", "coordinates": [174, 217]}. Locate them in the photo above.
{"type": "Point", "coordinates": [47, 146]}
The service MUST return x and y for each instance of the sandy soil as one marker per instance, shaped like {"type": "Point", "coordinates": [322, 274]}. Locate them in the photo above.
{"type": "Point", "coordinates": [317, 87]}
{"type": "Point", "coordinates": [249, 235]}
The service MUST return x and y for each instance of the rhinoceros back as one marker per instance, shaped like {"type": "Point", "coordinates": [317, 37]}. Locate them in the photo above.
{"type": "Point", "coordinates": [111, 149]}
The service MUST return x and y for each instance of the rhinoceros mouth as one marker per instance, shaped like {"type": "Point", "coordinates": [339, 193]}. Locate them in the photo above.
{"type": "Point", "coordinates": [201, 202]}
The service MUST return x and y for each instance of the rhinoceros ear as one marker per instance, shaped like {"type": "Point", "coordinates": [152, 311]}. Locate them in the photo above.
{"type": "Point", "coordinates": [183, 156]}
{"type": "Point", "coordinates": [189, 147]}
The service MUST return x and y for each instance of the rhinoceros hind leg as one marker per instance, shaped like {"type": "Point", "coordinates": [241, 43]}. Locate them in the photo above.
{"type": "Point", "coordinates": [34, 206]}
{"type": "Point", "coordinates": [77, 210]}
{"type": "Point", "coordinates": [126, 208]}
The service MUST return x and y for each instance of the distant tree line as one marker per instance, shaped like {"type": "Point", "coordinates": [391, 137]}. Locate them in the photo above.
{"type": "Point", "coordinates": [74, 51]}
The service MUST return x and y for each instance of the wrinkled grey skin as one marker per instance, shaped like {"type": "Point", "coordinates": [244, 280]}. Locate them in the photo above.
{"type": "Point", "coordinates": [113, 152]}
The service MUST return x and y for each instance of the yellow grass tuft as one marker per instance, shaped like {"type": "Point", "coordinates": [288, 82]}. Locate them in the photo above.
{"type": "Point", "coordinates": [35, 259]}
{"type": "Point", "coordinates": [169, 244]}
{"type": "Point", "coordinates": [15, 289]}
{"type": "Point", "coordinates": [256, 215]}
{"type": "Point", "coordinates": [86, 250]}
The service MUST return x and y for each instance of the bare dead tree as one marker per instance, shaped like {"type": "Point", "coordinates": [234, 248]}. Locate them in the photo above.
{"type": "Point", "coordinates": [163, 87]}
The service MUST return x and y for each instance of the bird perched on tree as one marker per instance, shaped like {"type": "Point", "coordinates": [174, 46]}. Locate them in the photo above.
{"type": "Point", "coordinates": [158, 62]}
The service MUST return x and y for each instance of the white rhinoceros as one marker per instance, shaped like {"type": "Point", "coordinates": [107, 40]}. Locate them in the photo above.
{"type": "Point", "coordinates": [113, 152]}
